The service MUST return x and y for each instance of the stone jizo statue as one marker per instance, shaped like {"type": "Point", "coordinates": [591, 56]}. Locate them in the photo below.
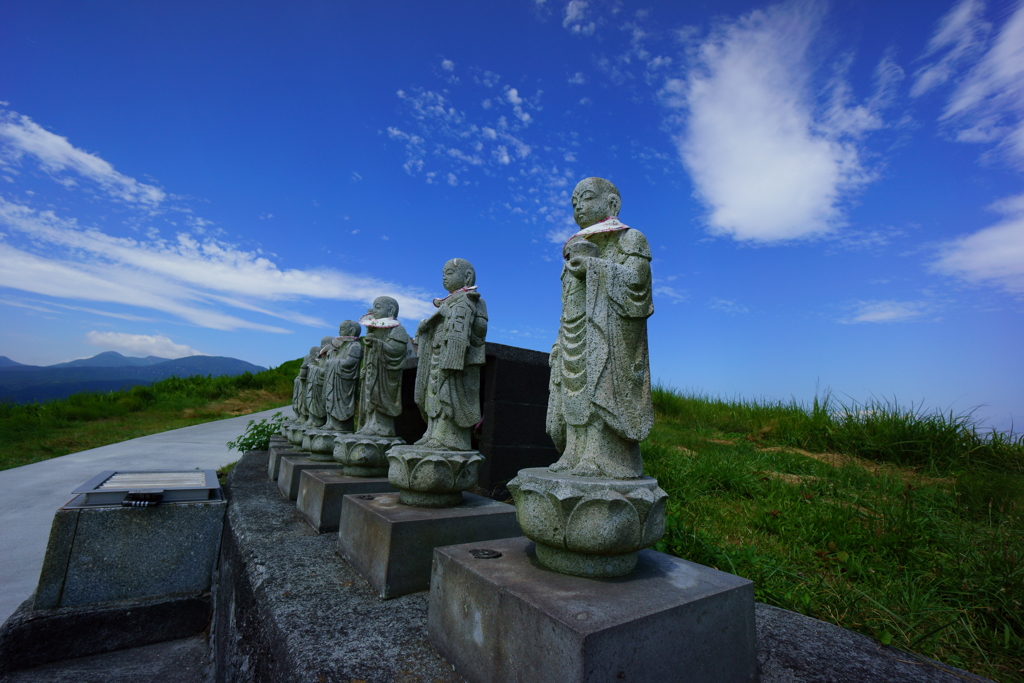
{"type": "Point", "coordinates": [435, 470]}
{"type": "Point", "coordinates": [342, 355]}
{"type": "Point", "coordinates": [315, 405]}
{"type": "Point", "coordinates": [385, 348]}
{"type": "Point", "coordinates": [600, 402]}
{"type": "Point", "coordinates": [451, 348]}
{"type": "Point", "coordinates": [593, 510]}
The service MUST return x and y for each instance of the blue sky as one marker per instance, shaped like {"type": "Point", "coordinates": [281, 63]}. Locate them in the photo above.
{"type": "Point", "coordinates": [832, 191]}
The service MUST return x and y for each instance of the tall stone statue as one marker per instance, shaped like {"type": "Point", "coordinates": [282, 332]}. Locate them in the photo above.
{"type": "Point", "coordinates": [451, 348]}
{"type": "Point", "coordinates": [599, 405]}
{"type": "Point", "coordinates": [385, 348]}
{"type": "Point", "coordinates": [435, 470]}
{"type": "Point", "coordinates": [292, 429]}
{"type": "Point", "coordinates": [341, 376]}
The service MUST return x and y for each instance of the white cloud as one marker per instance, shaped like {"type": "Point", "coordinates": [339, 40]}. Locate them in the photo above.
{"type": "Point", "coordinates": [960, 34]}
{"type": "Point", "coordinates": [184, 277]}
{"type": "Point", "coordinates": [140, 344]}
{"type": "Point", "coordinates": [577, 78]}
{"type": "Point", "coordinates": [994, 255]}
{"type": "Point", "coordinates": [20, 136]}
{"type": "Point", "coordinates": [886, 311]}
{"type": "Point", "coordinates": [768, 161]}
{"type": "Point", "coordinates": [730, 307]}
{"type": "Point", "coordinates": [452, 180]}
{"type": "Point", "coordinates": [671, 293]}
{"type": "Point", "coordinates": [448, 65]}
{"type": "Point", "coordinates": [576, 18]}
{"type": "Point", "coordinates": [988, 104]}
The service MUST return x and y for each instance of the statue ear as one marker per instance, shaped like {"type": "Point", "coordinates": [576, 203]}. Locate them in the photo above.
{"type": "Point", "coordinates": [616, 203]}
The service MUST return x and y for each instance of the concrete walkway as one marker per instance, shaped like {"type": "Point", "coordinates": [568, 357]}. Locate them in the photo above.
{"type": "Point", "coordinates": [30, 495]}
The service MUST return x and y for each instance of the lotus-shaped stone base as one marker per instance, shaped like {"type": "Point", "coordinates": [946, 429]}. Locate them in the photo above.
{"type": "Point", "coordinates": [363, 455]}
{"type": "Point", "coordinates": [432, 478]}
{"type": "Point", "coordinates": [588, 526]}
{"type": "Point", "coordinates": [293, 433]}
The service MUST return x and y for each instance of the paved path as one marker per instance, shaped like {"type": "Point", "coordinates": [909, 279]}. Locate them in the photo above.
{"type": "Point", "coordinates": [30, 495]}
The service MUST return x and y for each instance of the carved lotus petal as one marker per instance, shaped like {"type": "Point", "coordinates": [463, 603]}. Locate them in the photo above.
{"type": "Point", "coordinates": [604, 522]}
{"type": "Point", "coordinates": [654, 524]}
{"type": "Point", "coordinates": [433, 474]}
{"type": "Point", "coordinates": [645, 500]}
{"type": "Point", "coordinates": [398, 472]}
{"type": "Point", "coordinates": [467, 471]}
{"type": "Point", "coordinates": [539, 515]}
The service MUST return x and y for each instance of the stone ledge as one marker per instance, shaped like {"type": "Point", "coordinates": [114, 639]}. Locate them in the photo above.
{"type": "Point", "coordinates": [31, 638]}
{"type": "Point", "coordinates": [289, 609]}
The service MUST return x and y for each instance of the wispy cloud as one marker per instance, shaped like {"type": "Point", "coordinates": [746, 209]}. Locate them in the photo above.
{"type": "Point", "coordinates": [674, 295]}
{"type": "Point", "coordinates": [886, 311]}
{"type": "Point", "coordinates": [987, 104]}
{"type": "Point", "coordinates": [770, 161]}
{"type": "Point", "coordinates": [577, 18]}
{"type": "Point", "coordinates": [193, 276]}
{"type": "Point", "coordinates": [20, 136]}
{"type": "Point", "coordinates": [730, 307]}
{"type": "Point", "coordinates": [140, 344]}
{"type": "Point", "coordinates": [994, 255]}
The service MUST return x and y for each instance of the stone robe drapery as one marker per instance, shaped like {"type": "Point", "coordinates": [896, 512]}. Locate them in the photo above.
{"type": "Point", "coordinates": [341, 377]}
{"type": "Point", "coordinates": [451, 346]}
{"type": "Point", "coordinates": [380, 385]}
{"type": "Point", "coordinates": [299, 390]}
{"type": "Point", "coordinates": [600, 364]}
{"type": "Point", "coordinates": [315, 390]}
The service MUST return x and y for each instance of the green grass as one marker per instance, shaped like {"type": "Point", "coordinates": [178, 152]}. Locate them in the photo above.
{"type": "Point", "coordinates": [914, 535]}
{"type": "Point", "coordinates": [33, 432]}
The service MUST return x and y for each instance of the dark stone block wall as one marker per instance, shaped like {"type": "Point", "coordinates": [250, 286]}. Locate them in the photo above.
{"type": "Point", "coordinates": [513, 398]}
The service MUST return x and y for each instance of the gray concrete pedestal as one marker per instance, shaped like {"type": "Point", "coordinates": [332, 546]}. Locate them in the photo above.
{"type": "Point", "coordinates": [503, 618]}
{"type": "Point", "coordinates": [321, 492]}
{"type": "Point", "coordinates": [291, 468]}
{"type": "Point", "coordinates": [391, 544]}
{"type": "Point", "coordinates": [278, 450]}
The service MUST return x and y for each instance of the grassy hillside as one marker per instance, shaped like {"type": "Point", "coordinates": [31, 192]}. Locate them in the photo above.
{"type": "Point", "coordinates": [904, 525]}
{"type": "Point", "coordinates": [38, 431]}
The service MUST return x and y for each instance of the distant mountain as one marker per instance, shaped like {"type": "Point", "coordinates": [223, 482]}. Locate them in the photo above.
{"type": "Point", "coordinates": [46, 383]}
{"type": "Point", "coordinates": [6, 362]}
{"type": "Point", "coordinates": [110, 359]}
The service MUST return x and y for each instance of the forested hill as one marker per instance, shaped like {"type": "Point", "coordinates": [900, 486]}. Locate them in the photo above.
{"type": "Point", "coordinates": [28, 383]}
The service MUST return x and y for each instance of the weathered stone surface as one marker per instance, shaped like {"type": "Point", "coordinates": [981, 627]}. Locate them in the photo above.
{"type": "Point", "coordinates": [588, 526]}
{"type": "Point", "coordinates": [186, 660]}
{"type": "Point", "coordinates": [321, 445]}
{"type": "Point", "coordinates": [274, 459]}
{"type": "Point", "coordinates": [119, 553]}
{"type": "Point", "coordinates": [321, 491]}
{"type": "Point", "coordinates": [391, 543]}
{"type": "Point", "coordinates": [289, 610]}
{"type": "Point", "coordinates": [32, 637]}
{"type": "Point", "coordinates": [364, 455]}
{"type": "Point", "coordinates": [291, 471]}
{"type": "Point", "coordinates": [341, 376]}
{"type": "Point", "coordinates": [385, 349]}
{"type": "Point", "coordinates": [432, 478]}
{"type": "Point", "coordinates": [451, 352]}
{"type": "Point", "coordinates": [506, 619]}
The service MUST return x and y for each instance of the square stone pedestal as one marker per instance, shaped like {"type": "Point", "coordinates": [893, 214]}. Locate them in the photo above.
{"type": "Point", "coordinates": [278, 451]}
{"type": "Point", "coordinates": [291, 471]}
{"type": "Point", "coordinates": [321, 491]}
{"type": "Point", "coordinates": [392, 544]}
{"type": "Point", "coordinates": [509, 619]}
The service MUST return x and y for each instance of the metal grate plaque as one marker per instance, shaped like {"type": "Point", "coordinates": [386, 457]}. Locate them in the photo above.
{"type": "Point", "coordinates": [113, 488]}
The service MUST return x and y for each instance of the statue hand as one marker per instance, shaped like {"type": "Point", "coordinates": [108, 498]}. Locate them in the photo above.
{"type": "Point", "coordinates": [577, 265]}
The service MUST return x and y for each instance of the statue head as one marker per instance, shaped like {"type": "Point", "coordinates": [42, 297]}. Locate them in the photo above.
{"type": "Point", "coordinates": [314, 352]}
{"type": "Point", "coordinates": [348, 328]}
{"type": "Point", "coordinates": [458, 273]}
{"type": "Point", "coordinates": [385, 307]}
{"type": "Point", "coordinates": [324, 341]}
{"type": "Point", "coordinates": [593, 200]}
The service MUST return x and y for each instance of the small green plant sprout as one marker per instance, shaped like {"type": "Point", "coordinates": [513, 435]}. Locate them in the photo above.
{"type": "Point", "coordinates": [257, 434]}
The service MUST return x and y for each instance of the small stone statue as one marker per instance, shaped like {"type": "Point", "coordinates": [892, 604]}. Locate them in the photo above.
{"type": "Point", "coordinates": [315, 405]}
{"type": "Point", "coordinates": [439, 467]}
{"type": "Point", "coordinates": [385, 347]}
{"type": "Point", "coordinates": [451, 347]}
{"type": "Point", "coordinates": [341, 376]}
{"type": "Point", "coordinates": [296, 432]}
{"type": "Point", "coordinates": [599, 405]}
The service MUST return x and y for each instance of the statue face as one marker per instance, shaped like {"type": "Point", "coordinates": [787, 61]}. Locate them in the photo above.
{"type": "Point", "coordinates": [451, 276]}
{"type": "Point", "coordinates": [380, 309]}
{"type": "Point", "coordinates": [591, 206]}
